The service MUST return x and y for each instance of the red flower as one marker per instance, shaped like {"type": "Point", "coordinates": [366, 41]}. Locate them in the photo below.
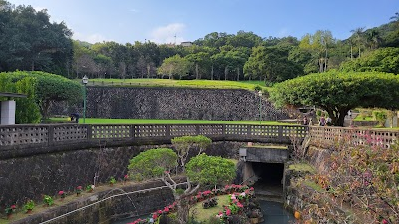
{"type": "Point", "coordinates": [60, 192]}
{"type": "Point", "coordinates": [155, 216]}
{"type": "Point", "coordinates": [79, 188]}
{"type": "Point", "coordinates": [228, 212]}
{"type": "Point", "coordinates": [126, 177]}
{"type": "Point", "coordinates": [13, 207]}
{"type": "Point", "coordinates": [384, 221]}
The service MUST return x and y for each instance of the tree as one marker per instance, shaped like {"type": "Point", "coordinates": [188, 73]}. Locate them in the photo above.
{"type": "Point", "coordinates": [27, 111]}
{"type": "Point", "coordinates": [380, 60]}
{"type": "Point", "coordinates": [271, 64]}
{"type": "Point", "coordinates": [200, 170]}
{"type": "Point", "coordinates": [175, 66]}
{"type": "Point", "coordinates": [29, 41]}
{"type": "Point", "coordinates": [337, 93]}
{"type": "Point", "coordinates": [54, 88]}
{"type": "Point", "coordinates": [358, 37]}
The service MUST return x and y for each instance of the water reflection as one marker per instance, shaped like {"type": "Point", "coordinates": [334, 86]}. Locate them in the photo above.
{"type": "Point", "coordinates": [274, 213]}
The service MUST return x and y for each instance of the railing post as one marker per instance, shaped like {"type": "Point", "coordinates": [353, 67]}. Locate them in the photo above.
{"type": "Point", "coordinates": [167, 131]}
{"type": "Point", "coordinates": [280, 132]}
{"type": "Point", "coordinates": [89, 132]}
{"type": "Point", "coordinates": [131, 130]}
{"type": "Point", "coordinates": [197, 129]}
{"type": "Point", "coordinates": [249, 130]}
{"type": "Point", "coordinates": [50, 135]}
{"type": "Point", "coordinates": [224, 130]}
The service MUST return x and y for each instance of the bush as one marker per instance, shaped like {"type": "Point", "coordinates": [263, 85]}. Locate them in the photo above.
{"type": "Point", "coordinates": [380, 116]}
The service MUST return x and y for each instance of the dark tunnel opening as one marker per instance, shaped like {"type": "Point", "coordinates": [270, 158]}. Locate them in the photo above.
{"type": "Point", "coordinates": [270, 177]}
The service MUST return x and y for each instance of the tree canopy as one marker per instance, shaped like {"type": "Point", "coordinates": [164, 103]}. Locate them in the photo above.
{"type": "Point", "coordinates": [49, 88]}
{"type": "Point", "coordinates": [380, 60]}
{"type": "Point", "coordinates": [338, 92]}
{"type": "Point", "coordinates": [27, 110]}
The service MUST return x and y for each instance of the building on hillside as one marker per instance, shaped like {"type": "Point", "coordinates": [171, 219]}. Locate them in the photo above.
{"type": "Point", "coordinates": [186, 44]}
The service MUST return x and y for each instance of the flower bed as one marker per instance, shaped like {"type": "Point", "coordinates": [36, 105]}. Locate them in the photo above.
{"type": "Point", "coordinates": [239, 197]}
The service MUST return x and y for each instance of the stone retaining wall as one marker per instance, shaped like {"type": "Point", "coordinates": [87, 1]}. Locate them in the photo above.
{"type": "Point", "coordinates": [31, 177]}
{"type": "Point", "coordinates": [173, 103]}
{"type": "Point", "coordinates": [107, 211]}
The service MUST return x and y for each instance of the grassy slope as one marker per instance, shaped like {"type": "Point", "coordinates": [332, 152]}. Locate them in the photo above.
{"type": "Point", "coordinates": [149, 121]}
{"type": "Point", "coordinates": [215, 84]}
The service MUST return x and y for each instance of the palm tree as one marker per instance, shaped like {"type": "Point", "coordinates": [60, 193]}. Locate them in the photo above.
{"type": "Point", "coordinates": [358, 33]}
{"type": "Point", "coordinates": [373, 38]}
{"type": "Point", "coordinates": [395, 17]}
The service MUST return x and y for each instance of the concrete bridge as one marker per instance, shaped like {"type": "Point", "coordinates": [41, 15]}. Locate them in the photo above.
{"type": "Point", "coordinates": [26, 140]}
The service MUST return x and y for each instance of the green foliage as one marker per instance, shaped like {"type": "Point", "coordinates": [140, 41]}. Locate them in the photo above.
{"type": "Point", "coordinates": [379, 116]}
{"type": "Point", "coordinates": [152, 163]}
{"type": "Point", "coordinates": [270, 64]}
{"type": "Point", "coordinates": [337, 93]}
{"type": "Point", "coordinates": [48, 47]}
{"type": "Point", "coordinates": [175, 66]}
{"type": "Point", "coordinates": [381, 60]}
{"type": "Point", "coordinates": [44, 88]}
{"type": "Point", "coordinates": [29, 205]}
{"type": "Point", "coordinates": [48, 200]}
{"type": "Point", "coordinates": [212, 170]}
{"type": "Point", "coordinates": [185, 143]}
{"type": "Point", "coordinates": [112, 180]}
{"type": "Point", "coordinates": [27, 111]}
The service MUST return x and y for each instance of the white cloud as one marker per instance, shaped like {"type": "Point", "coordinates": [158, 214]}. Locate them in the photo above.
{"type": "Point", "coordinates": [38, 8]}
{"type": "Point", "coordinates": [283, 32]}
{"type": "Point", "coordinates": [134, 10]}
{"type": "Point", "coordinates": [91, 38]}
{"type": "Point", "coordinates": [166, 34]}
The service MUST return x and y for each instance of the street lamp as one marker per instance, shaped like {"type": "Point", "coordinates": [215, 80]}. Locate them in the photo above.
{"type": "Point", "coordinates": [260, 106]}
{"type": "Point", "coordinates": [85, 80]}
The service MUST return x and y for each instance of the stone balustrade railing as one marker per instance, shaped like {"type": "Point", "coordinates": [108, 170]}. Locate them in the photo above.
{"type": "Point", "coordinates": [329, 136]}
{"type": "Point", "coordinates": [23, 140]}
{"type": "Point", "coordinates": [62, 137]}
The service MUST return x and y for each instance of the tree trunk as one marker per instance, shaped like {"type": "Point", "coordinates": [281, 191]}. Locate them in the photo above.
{"type": "Point", "coordinates": [226, 71]}
{"type": "Point", "coordinates": [212, 73]}
{"type": "Point", "coordinates": [238, 74]}
{"type": "Point", "coordinates": [196, 70]}
{"type": "Point", "coordinates": [325, 62]}
{"type": "Point", "coordinates": [351, 52]}
{"type": "Point", "coordinates": [182, 210]}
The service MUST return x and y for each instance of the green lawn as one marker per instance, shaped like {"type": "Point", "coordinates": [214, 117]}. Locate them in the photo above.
{"type": "Point", "coordinates": [214, 84]}
{"type": "Point", "coordinates": [149, 121]}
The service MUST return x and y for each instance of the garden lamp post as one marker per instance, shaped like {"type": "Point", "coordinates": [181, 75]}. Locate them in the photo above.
{"type": "Point", "coordinates": [85, 80]}
{"type": "Point", "coordinates": [260, 106]}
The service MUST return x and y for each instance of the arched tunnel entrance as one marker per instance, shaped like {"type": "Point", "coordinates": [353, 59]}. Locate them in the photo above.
{"type": "Point", "coordinates": [269, 179]}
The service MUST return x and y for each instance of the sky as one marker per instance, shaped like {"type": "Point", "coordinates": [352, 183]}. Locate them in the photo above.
{"type": "Point", "coordinates": [174, 21]}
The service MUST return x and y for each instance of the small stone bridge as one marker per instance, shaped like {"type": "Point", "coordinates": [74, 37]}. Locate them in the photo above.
{"type": "Point", "coordinates": [26, 140]}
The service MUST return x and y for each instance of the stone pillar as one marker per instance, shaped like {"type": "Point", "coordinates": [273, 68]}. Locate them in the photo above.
{"type": "Point", "coordinates": [7, 112]}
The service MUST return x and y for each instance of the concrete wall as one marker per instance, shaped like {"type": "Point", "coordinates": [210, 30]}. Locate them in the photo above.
{"type": "Point", "coordinates": [173, 103]}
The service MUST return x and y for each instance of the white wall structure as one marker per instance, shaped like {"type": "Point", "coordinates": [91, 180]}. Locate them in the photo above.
{"type": "Point", "coordinates": [7, 112]}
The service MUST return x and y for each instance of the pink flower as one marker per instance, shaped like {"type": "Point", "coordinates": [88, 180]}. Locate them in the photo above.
{"type": "Point", "coordinates": [155, 216]}
{"type": "Point", "coordinates": [79, 188]}
{"type": "Point", "coordinates": [384, 221]}
{"type": "Point", "coordinates": [13, 207]}
{"type": "Point", "coordinates": [240, 205]}
{"type": "Point", "coordinates": [166, 209]}
{"type": "Point", "coordinates": [228, 212]}
{"type": "Point", "coordinates": [126, 177]}
{"type": "Point", "coordinates": [60, 192]}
